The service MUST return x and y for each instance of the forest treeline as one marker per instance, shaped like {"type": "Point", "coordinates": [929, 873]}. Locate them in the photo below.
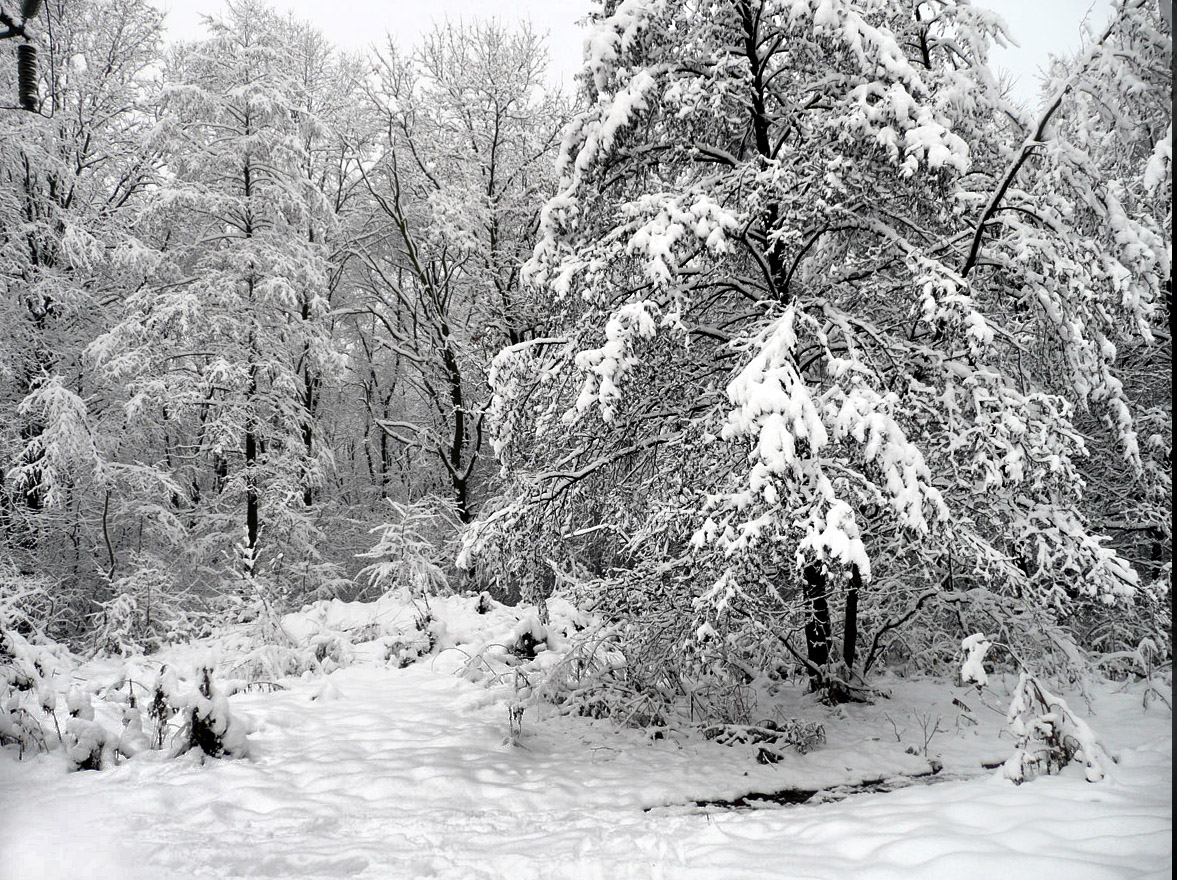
{"type": "Point", "coordinates": [790, 342]}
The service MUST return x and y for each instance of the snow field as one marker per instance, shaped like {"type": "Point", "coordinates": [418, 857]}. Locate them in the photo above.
{"type": "Point", "coordinates": [381, 773]}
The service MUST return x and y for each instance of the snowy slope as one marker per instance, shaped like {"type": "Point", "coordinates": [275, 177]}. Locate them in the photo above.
{"type": "Point", "coordinates": [377, 772]}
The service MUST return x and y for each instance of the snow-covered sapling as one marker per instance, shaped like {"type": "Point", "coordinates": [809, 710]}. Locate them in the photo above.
{"type": "Point", "coordinates": [19, 727]}
{"type": "Point", "coordinates": [211, 726]}
{"type": "Point", "coordinates": [134, 738]}
{"type": "Point", "coordinates": [1048, 734]}
{"type": "Point", "coordinates": [87, 742]}
{"type": "Point", "coordinates": [163, 705]}
{"type": "Point", "coordinates": [515, 722]}
{"type": "Point", "coordinates": [411, 549]}
{"type": "Point", "coordinates": [26, 691]}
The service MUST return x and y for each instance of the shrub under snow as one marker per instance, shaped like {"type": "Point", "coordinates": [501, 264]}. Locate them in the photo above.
{"type": "Point", "coordinates": [211, 726]}
{"type": "Point", "coordinates": [1048, 734]}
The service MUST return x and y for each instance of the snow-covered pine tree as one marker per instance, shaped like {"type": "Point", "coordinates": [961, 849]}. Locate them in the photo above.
{"type": "Point", "coordinates": [778, 396]}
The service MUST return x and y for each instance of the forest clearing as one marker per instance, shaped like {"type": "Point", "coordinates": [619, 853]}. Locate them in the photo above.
{"type": "Point", "coordinates": [751, 459]}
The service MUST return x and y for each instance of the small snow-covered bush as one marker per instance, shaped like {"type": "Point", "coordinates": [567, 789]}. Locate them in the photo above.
{"type": "Point", "coordinates": [88, 744]}
{"type": "Point", "coordinates": [580, 668]}
{"type": "Point", "coordinates": [528, 638]}
{"type": "Point", "coordinates": [120, 629]}
{"type": "Point", "coordinates": [31, 678]}
{"type": "Point", "coordinates": [1048, 734]}
{"type": "Point", "coordinates": [421, 641]}
{"type": "Point", "coordinates": [395, 628]}
{"type": "Point", "coordinates": [30, 664]}
{"type": "Point", "coordinates": [210, 726]}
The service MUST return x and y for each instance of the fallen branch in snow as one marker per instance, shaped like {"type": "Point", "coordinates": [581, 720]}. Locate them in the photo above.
{"type": "Point", "coordinates": [769, 738]}
{"type": "Point", "coordinates": [792, 796]}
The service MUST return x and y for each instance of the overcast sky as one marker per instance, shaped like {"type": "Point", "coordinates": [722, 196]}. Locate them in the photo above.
{"type": "Point", "coordinates": [1040, 26]}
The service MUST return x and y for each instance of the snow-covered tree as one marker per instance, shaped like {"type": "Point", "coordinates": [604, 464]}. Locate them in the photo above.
{"type": "Point", "coordinates": [73, 177]}
{"type": "Point", "coordinates": [223, 351]}
{"type": "Point", "coordinates": [468, 132]}
{"type": "Point", "coordinates": [1085, 228]}
{"type": "Point", "coordinates": [779, 393]}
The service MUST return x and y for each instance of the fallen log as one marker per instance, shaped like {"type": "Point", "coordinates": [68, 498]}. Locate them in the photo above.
{"type": "Point", "coordinates": [794, 796]}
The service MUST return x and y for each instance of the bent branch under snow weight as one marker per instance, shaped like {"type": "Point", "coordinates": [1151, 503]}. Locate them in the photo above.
{"type": "Point", "coordinates": [1037, 139]}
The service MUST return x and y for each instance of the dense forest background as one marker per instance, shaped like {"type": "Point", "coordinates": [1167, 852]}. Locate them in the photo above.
{"type": "Point", "coordinates": [789, 345]}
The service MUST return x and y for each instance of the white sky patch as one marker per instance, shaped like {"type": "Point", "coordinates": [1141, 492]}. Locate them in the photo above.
{"type": "Point", "coordinates": [356, 24]}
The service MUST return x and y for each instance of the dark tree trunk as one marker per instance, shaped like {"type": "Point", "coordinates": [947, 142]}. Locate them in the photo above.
{"type": "Point", "coordinates": [308, 439]}
{"type": "Point", "coordinates": [462, 499]}
{"type": "Point", "coordinates": [310, 385]}
{"type": "Point", "coordinates": [252, 503]}
{"type": "Point", "coordinates": [458, 473]}
{"type": "Point", "coordinates": [850, 631]}
{"type": "Point", "coordinates": [252, 506]}
{"type": "Point", "coordinates": [817, 623]}
{"type": "Point", "coordinates": [762, 136]}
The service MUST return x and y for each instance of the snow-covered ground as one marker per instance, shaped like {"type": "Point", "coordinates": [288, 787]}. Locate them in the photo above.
{"type": "Point", "coordinates": [373, 771]}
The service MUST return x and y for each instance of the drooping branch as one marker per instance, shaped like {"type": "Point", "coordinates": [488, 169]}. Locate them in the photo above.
{"type": "Point", "coordinates": [1037, 138]}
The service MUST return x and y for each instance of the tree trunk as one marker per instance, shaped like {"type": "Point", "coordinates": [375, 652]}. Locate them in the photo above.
{"type": "Point", "coordinates": [458, 473]}
{"type": "Point", "coordinates": [761, 132]}
{"type": "Point", "coordinates": [310, 384]}
{"type": "Point", "coordinates": [462, 499]}
{"type": "Point", "coordinates": [850, 631]}
{"type": "Point", "coordinates": [252, 502]}
{"type": "Point", "coordinates": [308, 439]}
{"type": "Point", "coordinates": [817, 623]}
{"type": "Point", "coordinates": [252, 511]}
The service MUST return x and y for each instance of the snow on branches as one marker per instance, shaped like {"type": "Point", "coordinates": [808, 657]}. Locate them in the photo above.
{"type": "Point", "coordinates": [605, 367]}
{"type": "Point", "coordinates": [888, 313]}
{"type": "Point", "coordinates": [1048, 734]}
{"type": "Point", "coordinates": [64, 450]}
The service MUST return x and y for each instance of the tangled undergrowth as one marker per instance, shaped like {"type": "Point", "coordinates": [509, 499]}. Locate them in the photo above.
{"type": "Point", "coordinates": [101, 710]}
